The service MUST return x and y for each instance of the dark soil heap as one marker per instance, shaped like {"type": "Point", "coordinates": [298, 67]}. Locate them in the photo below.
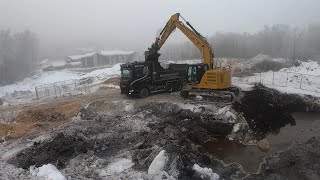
{"type": "Point", "coordinates": [266, 110]}
{"type": "Point", "coordinates": [178, 132]}
{"type": "Point", "coordinates": [57, 151]}
{"type": "Point", "coordinates": [302, 161]}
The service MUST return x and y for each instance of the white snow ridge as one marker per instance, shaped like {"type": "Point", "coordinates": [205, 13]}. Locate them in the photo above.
{"type": "Point", "coordinates": [48, 171]}
{"type": "Point", "coordinates": [205, 173]}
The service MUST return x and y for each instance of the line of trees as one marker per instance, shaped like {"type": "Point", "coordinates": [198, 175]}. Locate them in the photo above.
{"type": "Point", "coordinates": [18, 55]}
{"type": "Point", "coordinates": [280, 41]}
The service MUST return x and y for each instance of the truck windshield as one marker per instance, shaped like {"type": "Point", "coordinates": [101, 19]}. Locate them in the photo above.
{"type": "Point", "coordinates": [126, 73]}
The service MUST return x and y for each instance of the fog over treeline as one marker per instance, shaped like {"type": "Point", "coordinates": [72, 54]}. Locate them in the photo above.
{"type": "Point", "coordinates": [279, 41]}
{"type": "Point", "coordinates": [18, 55]}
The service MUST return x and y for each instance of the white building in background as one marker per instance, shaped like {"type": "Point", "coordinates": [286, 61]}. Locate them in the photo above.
{"type": "Point", "coordinates": [102, 58]}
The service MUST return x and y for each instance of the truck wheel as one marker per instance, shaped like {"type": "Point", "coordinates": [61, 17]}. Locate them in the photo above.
{"type": "Point", "coordinates": [177, 87]}
{"type": "Point", "coordinates": [184, 94]}
{"type": "Point", "coordinates": [170, 88]}
{"type": "Point", "coordinates": [144, 92]}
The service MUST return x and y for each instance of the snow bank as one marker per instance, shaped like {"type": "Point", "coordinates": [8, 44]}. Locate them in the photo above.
{"type": "Point", "coordinates": [102, 74]}
{"type": "Point", "coordinates": [301, 79]}
{"type": "Point", "coordinates": [48, 171]}
{"type": "Point", "coordinates": [50, 77]}
{"type": "Point", "coordinates": [158, 163]}
{"type": "Point", "coordinates": [205, 173]}
{"type": "Point", "coordinates": [28, 84]}
{"type": "Point", "coordinates": [310, 67]}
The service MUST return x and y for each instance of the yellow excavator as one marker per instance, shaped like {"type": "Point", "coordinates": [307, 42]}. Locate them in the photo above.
{"type": "Point", "coordinates": [202, 81]}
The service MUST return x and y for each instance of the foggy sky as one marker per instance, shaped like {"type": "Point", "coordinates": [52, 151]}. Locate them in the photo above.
{"type": "Point", "coordinates": [132, 24]}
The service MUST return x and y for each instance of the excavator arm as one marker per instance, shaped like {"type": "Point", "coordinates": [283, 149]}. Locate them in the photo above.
{"type": "Point", "coordinates": [196, 38]}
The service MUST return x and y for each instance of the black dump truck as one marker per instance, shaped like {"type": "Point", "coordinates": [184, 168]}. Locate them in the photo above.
{"type": "Point", "coordinates": [142, 78]}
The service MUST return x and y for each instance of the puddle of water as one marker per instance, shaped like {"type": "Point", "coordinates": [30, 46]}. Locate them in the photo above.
{"type": "Point", "coordinates": [307, 126]}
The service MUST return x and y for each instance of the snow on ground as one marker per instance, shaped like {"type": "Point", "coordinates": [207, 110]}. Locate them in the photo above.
{"type": "Point", "coordinates": [47, 171]}
{"type": "Point", "coordinates": [192, 107]}
{"type": "Point", "coordinates": [101, 74]}
{"type": "Point", "coordinates": [310, 67]}
{"type": "Point", "coordinates": [118, 166]}
{"type": "Point", "coordinates": [28, 84]}
{"type": "Point", "coordinates": [226, 111]}
{"type": "Point", "coordinates": [302, 79]}
{"type": "Point", "coordinates": [50, 77]}
{"type": "Point", "coordinates": [205, 173]}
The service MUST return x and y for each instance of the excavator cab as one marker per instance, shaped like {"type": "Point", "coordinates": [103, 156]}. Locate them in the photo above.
{"type": "Point", "coordinates": [195, 72]}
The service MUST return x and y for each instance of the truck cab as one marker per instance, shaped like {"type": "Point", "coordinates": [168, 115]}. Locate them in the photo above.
{"type": "Point", "coordinates": [142, 78]}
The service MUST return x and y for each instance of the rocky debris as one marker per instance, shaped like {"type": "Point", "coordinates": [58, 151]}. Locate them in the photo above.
{"type": "Point", "coordinates": [176, 132]}
{"type": "Point", "coordinates": [301, 161]}
{"type": "Point", "coordinates": [1, 102]}
{"type": "Point", "coordinates": [263, 145]}
{"type": "Point", "coordinates": [57, 151]}
{"type": "Point", "coordinates": [265, 110]}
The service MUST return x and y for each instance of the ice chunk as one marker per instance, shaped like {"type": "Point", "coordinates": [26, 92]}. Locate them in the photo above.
{"type": "Point", "coordinates": [158, 163]}
{"type": "Point", "coordinates": [205, 173]}
{"type": "Point", "coordinates": [48, 171]}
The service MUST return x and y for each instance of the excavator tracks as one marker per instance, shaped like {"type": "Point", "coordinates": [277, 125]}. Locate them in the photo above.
{"type": "Point", "coordinates": [226, 96]}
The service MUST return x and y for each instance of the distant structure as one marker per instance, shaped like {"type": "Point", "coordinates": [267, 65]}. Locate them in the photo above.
{"type": "Point", "coordinates": [102, 58]}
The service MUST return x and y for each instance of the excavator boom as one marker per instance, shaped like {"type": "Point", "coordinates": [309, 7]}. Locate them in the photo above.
{"type": "Point", "coordinates": [202, 80]}
{"type": "Point", "coordinates": [195, 37]}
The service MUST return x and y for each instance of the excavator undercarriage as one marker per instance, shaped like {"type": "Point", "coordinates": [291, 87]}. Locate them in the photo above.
{"type": "Point", "coordinates": [210, 95]}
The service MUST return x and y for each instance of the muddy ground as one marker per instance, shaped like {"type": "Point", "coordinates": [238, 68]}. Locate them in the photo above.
{"type": "Point", "coordinates": [108, 130]}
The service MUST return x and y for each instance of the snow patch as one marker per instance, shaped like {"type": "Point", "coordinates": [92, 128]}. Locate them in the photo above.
{"type": "Point", "coordinates": [229, 114]}
{"type": "Point", "coordinates": [205, 173]}
{"type": "Point", "coordinates": [193, 108]}
{"type": "Point", "coordinates": [226, 111]}
{"type": "Point", "coordinates": [103, 74]}
{"type": "Point", "coordinates": [158, 163]}
{"type": "Point", "coordinates": [28, 84]}
{"type": "Point", "coordinates": [117, 167]}
{"type": "Point", "coordinates": [48, 171]}
{"type": "Point", "coordinates": [50, 77]}
{"type": "Point", "coordinates": [310, 67]}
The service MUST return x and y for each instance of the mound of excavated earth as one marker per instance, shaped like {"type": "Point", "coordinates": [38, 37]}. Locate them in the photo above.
{"type": "Point", "coordinates": [155, 138]}
{"type": "Point", "coordinates": [177, 132]}
{"type": "Point", "coordinates": [58, 151]}
{"type": "Point", "coordinates": [265, 110]}
{"type": "Point", "coordinates": [302, 161]}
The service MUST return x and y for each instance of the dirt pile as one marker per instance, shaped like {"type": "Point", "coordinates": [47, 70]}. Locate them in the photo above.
{"type": "Point", "coordinates": [177, 132]}
{"type": "Point", "coordinates": [265, 110]}
{"type": "Point", "coordinates": [258, 64]}
{"type": "Point", "coordinates": [302, 161]}
{"type": "Point", "coordinates": [58, 151]}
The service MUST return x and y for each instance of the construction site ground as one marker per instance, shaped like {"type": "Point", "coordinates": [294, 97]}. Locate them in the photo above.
{"type": "Point", "coordinates": [106, 135]}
